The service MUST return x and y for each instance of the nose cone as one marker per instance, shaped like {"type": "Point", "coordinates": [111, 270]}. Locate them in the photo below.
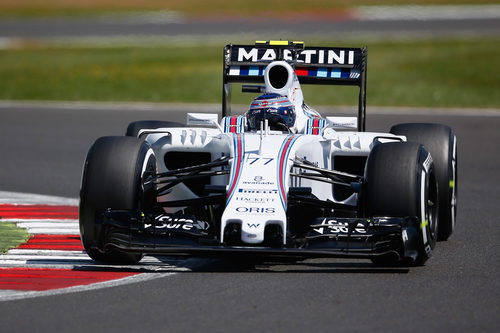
{"type": "Point", "coordinates": [252, 232]}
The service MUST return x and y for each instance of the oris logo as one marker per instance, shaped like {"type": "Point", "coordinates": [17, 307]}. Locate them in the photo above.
{"type": "Point", "coordinates": [256, 210]}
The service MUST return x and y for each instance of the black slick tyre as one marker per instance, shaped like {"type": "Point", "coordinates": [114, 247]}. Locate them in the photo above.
{"type": "Point", "coordinates": [136, 126]}
{"type": "Point", "coordinates": [111, 179]}
{"type": "Point", "coordinates": [441, 142]}
{"type": "Point", "coordinates": [400, 183]}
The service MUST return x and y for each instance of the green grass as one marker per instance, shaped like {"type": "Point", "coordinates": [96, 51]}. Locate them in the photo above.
{"type": "Point", "coordinates": [433, 73]}
{"type": "Point", "coordinates": [11, 236]}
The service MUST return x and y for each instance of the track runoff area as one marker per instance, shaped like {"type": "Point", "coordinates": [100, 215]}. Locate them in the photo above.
{"type": "Point", "coordinates": [53, 260]}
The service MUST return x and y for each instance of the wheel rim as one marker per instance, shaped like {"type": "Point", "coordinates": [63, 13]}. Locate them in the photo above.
{"type": "Point", "coordinates": [453, 184]}
{"type": "Point", "coordinates": [432, 207]}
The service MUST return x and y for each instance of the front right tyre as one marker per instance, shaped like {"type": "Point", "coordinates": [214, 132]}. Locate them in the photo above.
{"type": "Point", "coordinates": [112, 178]}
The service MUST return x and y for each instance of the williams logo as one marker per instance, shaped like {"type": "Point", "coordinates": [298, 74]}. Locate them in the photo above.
{"type": "Point", "coordinates": [253, 225]}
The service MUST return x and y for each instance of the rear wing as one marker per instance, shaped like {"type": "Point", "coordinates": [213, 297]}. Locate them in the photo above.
{"type": "Point", "coordinates": [313, 65]}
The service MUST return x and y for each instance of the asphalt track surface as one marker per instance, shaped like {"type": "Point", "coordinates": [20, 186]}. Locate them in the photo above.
{"type": "Point", "coordinates": [384, 22]}
{"type": "Point", "coordinates": [42, 151]}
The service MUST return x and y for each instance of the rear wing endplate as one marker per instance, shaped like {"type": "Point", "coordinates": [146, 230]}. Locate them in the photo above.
{"type": "Point", "coordinates": [313, 65]}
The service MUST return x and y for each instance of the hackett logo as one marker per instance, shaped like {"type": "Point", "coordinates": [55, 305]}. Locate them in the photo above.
{"type": "Point", "coordinates": [328, 57]}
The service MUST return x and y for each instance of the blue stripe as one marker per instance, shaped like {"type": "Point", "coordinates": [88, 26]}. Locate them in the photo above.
{"type": "Point", "coordinates": [335, 73]}
{"type": "Point", "coordinates": [309, 126]}
{"type": "Point", "coordinates": [253, 71]}
{"type": "Point", "coordinates": [240, 124]}
{"type": "Point", "coordinates": [244, 70]}
{"type": "Point", "coordinates": [322, 72]}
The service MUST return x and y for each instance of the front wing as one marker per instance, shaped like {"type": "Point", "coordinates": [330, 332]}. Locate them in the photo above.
{"type": "Point", "coordinates": [169, 234]}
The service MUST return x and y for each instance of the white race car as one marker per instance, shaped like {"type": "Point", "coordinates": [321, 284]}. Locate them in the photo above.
{"type": "Point", "coordinates": [277, 182]}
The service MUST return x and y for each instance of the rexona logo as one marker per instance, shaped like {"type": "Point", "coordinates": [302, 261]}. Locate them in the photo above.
{"type": "Point", "coordinates": [316, 56]}
{"type": "Point", "coordinates": [175, 226]}
{"type": "Point", "coordinates": [256, 210]}
{"type": "Point", "coordinates": [338, 227]}
{"type": "Point", "coordinates": [170, 222]}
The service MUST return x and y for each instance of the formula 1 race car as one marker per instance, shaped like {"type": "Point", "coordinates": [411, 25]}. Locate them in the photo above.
{"type": "Point", "coordinates": [277, 182]}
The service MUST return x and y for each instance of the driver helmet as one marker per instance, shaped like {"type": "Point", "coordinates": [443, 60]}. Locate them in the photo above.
{"type": "Point", "coordinates": [277, 109]}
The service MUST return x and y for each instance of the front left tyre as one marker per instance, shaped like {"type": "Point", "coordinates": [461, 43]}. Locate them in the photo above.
{"type": "Point", "coordinates": [112, 178]}
{"type": "Point", "coordinates": [441, 143]}
{"type": "Point", "coordinates": [400, 182]}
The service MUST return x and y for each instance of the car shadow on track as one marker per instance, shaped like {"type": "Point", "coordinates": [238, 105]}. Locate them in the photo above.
{"type": "Point", "coordinates": [236, 265]}
{"type": "Point", "coordinates": [167, 264]}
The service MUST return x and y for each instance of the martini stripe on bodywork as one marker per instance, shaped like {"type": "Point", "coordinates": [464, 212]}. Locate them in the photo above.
{"type": "Point", "coordinates": [239, 156]}
{"type": "Point", "coordinates": [282, 165]}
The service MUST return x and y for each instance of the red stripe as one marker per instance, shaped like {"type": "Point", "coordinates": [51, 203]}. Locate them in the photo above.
{"type": "Point", "coordinates": [46, 279]}
{"type": "Point", "coordinates": [53, 242]}
{"type": "Point", "coordinates": [301, 71]}
{"type": "Point", "coordinates": [233, 125]}
{"type": "Point", "coordinates": [38, 279]}
{"type": "Point", "coordinates": [8, 211]}
{"type": "Point", "coordinates": [315, 126]}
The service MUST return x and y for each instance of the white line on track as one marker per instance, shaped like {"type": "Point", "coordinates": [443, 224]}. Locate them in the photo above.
{"type": "Point", "coordinates": [47, 226]}
{"type": "Point", "coordinates": [77, 259]}
{"type": "Point", "coordinates": [216, 108]}
{"type": "Point", "coordinates": [429, 12]}
{"type": "Point", "coordinates": [149, 267]}
{"type": "Point", "coordinates": [34, 199]}
{"type": "Point", "coordinates": [8, 295]}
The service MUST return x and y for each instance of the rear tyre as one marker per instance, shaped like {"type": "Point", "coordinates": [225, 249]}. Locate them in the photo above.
{"type": "Point", "coordinates": [136, 126]}
{"type": "Point", "coordinates": [441, 142]}
{"type": "Point", "coordinates": [111, 179]}
{"type": "Point", "coordinates": [400, 182]}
